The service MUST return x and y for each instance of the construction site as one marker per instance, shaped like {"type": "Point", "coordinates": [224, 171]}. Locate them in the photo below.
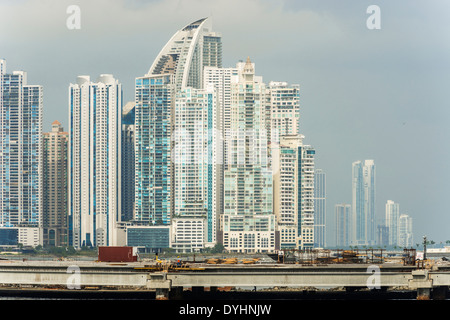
{"type": "Point", "coordinates": [315, 257]}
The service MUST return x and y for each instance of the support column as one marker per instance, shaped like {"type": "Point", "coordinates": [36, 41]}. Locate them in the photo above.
{"type": "Point", "coordinates": [161, 284]}
{"type": "Point", "coordinates": [422, 283]}
{"type": "Point", "coordinates": [162, 294]}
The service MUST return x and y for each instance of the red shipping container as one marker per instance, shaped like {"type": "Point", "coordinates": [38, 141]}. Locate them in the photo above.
{"type": "Point", "coordinates": [116, 254]}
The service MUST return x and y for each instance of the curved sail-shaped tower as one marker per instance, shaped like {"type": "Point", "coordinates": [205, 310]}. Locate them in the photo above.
{"type": "Point", "coordinates": [178, 66]}
{"type": "Point", "coordinates": [187, 52]}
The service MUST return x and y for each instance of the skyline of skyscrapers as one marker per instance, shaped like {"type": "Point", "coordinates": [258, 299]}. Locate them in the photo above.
{"type": "Point", "coordinates": [204, 155]}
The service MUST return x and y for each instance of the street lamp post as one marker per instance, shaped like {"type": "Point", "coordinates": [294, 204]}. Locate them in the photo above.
{"type": "Point", "coordinates": [424, 248]}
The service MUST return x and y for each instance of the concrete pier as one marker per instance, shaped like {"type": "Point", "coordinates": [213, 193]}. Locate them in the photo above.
{"type": "Point", "coordinates": [168, 283]}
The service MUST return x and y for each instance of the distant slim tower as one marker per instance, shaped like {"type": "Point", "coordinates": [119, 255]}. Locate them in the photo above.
{"type": "Point", "coordinates": [20, 150]}
{"type": "Point", "coordinates": [55, 184]}
{"type": "Point", "coordinates": [405, 237]}
{"type": "Point", "coordinates": [95, 110]}
{"type": "Point", "coordinates": [392, 221]}
{"type": "Point", "coordinates": [363, 202]}
{"type": "Point", "coordinates": [320, 201]}
{"type": "Point", "coordinates": [342, 215]}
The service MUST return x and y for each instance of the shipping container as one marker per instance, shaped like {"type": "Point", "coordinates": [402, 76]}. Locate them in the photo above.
{"type": "Point", "coordinates": [116, 254]}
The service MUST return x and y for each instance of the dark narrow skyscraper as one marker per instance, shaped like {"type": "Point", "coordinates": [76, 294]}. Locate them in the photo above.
{"type": "Point", "coordinates": [55, 184]}
{"type": "Point", "coordinates": [128, 158]}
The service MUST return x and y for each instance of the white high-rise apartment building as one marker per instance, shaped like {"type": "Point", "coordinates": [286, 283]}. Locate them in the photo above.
{"type": "Point", "coordinates": [21, 107]}
{"type": "Point", "coordinates": [95, 110]}
{"type": "Point", "coordinates": [363, 203]}
{"type": "Point", "coordinates": [197, 166]}
{"type": "Point", "coordinates": [284, 106]}
{"type": "Point", "coordinates": [221, 78]}
{"type": "Point", "coordinates": [405, 231]}
{"type": "Point", "coordinates": [392, 221]}
{"type": "Point", "coordinates": [293, 192]}
{"type": "Point", "coordinates": [248, 221]}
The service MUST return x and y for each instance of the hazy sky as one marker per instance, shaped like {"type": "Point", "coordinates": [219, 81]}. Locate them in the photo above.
{"type": "Point", "coordinates": [365, 94]}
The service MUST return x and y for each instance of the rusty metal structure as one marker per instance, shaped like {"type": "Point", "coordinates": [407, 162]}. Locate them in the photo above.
{"type": "Point", "coordinates": [409, 257]}
{"type": "Point", "coordinates": [328, 256]}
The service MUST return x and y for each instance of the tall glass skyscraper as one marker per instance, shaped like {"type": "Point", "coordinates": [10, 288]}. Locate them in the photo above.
{"type": "Point", "coordinates": [175, 75]}
{"type": "Point", "coordinates": [363, 202]}
{"type": "Point", "coordinates": [153, 131]}
{"type": "Point", "coordinates": [197, 158]}
{"type": "Point", "coordinates": [95, 110]}
{"type": "Point", "coordinates": [20, 150]}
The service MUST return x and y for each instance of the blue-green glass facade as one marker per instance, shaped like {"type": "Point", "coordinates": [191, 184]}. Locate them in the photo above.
{"type": "Point", "coordinates": [153, 130]}
{"type": "Point", "coordinates": [20, 150]}
{"type": "Point", "coordinates": [149, 238]}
